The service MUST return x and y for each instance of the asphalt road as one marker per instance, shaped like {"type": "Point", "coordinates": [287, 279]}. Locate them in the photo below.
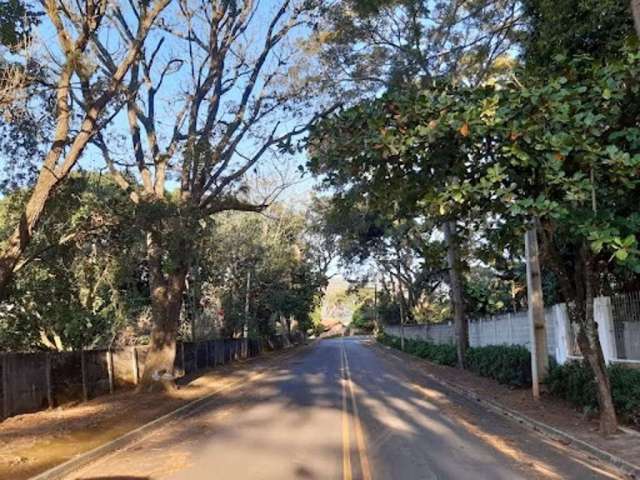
{"type": "Point", "coordinates": [343, 409]}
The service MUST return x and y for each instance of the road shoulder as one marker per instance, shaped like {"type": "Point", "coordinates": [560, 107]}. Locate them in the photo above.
{"type": "Point", "coordinates": [50, 444]}
{"type": "Point", "coordinates": [550, 417]}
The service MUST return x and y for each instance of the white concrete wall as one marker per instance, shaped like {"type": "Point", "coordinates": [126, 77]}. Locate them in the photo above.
{"type": "Point", "coordinates": [507, 329]}
{"type": "Point", "coordinates": [513, 329]}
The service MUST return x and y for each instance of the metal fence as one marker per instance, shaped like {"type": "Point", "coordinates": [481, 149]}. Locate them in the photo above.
{"type": "Point", "coordinates": [625, 311]}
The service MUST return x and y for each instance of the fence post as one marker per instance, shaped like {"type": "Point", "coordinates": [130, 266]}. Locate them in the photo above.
{"type": "Point", "coordinates": [510, 323]}
{"type": "Point", "coordinates": [47, 378]}
{"type": "Point", "coordinates": [83, 371]}
{"type": "Point", "coordinates": [109, 354]}
{"type": "Point", "coordinates": [134, 365]}
{"type": "Point", "coordinates": [561, 328]}
{"type": "Point", "coordinates": [604, 318]}
{"type": "Point", "coordinates": [184, 367]}
{"type": "Point", "coordinates": [5, 385]}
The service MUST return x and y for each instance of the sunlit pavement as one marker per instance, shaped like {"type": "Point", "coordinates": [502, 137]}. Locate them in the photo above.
{"type": "Point", "coordinates": [343, 409]}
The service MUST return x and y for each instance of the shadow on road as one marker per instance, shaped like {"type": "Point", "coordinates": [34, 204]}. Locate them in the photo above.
{"type": "Point", "coordinates": [414, 429]}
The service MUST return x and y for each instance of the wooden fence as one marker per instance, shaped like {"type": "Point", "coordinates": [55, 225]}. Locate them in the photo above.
{"type": "Point", "coordinates": [35, 381]}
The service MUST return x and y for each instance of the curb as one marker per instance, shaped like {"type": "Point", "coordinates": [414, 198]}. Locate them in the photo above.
{"type": "Point", "coordinates": [134, 436]}
{"type": "Point", "coordinates": [629, 469]}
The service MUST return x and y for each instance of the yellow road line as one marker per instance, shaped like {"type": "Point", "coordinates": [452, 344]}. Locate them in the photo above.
{"type": "Point", "coordinates": [346, 441]}
{"type": "Point", "coordinates": [362, 446]}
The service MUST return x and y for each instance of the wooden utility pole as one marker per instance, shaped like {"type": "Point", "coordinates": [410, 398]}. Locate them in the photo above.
{"type": "Point", "coordinates": [375, 304]}
{"type": "Point", "coordinates": [539, 353]}
{"type": "Point", "coordinates": [635, 10]}
{"type": "Point", "coordinates": [247, 299]}
{"type": "Point", "coordinates": [245, 329]}
{"type": "Point", "coordinates": [402, 314]}
{"type": "Point", "coordinates": [461, 325]}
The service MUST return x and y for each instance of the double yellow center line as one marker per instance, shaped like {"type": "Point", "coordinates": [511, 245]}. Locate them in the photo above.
{"type": "Point", "coordinates": [347, 391]}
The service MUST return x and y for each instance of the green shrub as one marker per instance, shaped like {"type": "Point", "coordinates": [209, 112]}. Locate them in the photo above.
{"type": "Point", "coordinates": [508, 364]}
{"type": "Point", "coordinates": [625, 389]}
{"type": "Point", "coordinates": [575, 383]}
{"type": "Point", "coordinates": [511, 365]}
{"type": "Point", "coordinates": [440, 354]}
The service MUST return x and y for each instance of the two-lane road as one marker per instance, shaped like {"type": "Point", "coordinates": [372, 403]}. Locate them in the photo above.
{"type": "Point", "coordinates": [343, 409]}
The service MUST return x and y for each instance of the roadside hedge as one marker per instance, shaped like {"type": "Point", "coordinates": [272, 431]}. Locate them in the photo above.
{"type": "Point", "coordinates": [508, 364]}
{"type": "Point", "coordinates": [511, 365]}
{"type": "Point", "coordinates": [575, 383]}
{"type": "Point", "coordinates": [440, 354]}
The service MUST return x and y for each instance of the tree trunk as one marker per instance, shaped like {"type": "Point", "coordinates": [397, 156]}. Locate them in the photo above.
{"type": "Point", "coordinates": [166, 302]}
{"type": "Point", "coordinates": [455, 291]}
{"type": "Point", "coordinates": [577, 286]}
{"type": "Point", "coordinates": [589, 343]}
{"type": "Point", "coordinates": [15, 246]}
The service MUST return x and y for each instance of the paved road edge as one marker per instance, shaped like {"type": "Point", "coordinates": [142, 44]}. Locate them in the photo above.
{"type": "Point", "coordinates": [626, 467]}
{"type": "Point", "coordinates": [129, 438]}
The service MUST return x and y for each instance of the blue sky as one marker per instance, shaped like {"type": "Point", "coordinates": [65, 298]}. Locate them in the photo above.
{"type": "Point", "coordinates": [177, 85]}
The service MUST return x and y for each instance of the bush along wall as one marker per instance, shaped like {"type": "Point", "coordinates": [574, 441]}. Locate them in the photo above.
{"type": "Point", "coordinates": [511, 365]}
{"type": "Point", "coordinates": [508, 364]}
{"type": "Point", "coordinates": [440, 354]}
{"type": "Point", "coordinates": [575, 383]}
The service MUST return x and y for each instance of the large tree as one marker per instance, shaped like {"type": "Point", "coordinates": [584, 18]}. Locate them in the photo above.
{"type": "Point", "coordinates": [83, 100]}
{"type": "Point", "coordinates": [368, 46]}
{"type": "Point", "coordinates": [404, 174]}
{"type": "Point", "coordinates": [216, 98]}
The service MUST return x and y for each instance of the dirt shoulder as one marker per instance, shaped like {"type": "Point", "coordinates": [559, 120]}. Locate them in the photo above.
{"type": "Point", "coordinates": [549, 410]}
{"type": "Point", "coordinates": [33, 443]}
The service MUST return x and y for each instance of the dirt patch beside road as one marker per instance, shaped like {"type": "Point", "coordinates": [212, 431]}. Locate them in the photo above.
{"type": "Point", "coordinates": [33, 443]}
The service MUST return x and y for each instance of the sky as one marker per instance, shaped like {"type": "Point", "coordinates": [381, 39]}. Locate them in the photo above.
{"type": "Point", "coordinates": [176, 86]}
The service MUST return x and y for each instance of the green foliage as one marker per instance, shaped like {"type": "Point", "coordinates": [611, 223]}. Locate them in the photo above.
{"type": "Point", "coordinates": [486, 294]}
{"type": "Point", "coordinates": [285, 279]}
{"type": "Point", "coordinates": [16, 21]}
{"type": "Point", "coordinates": [388, 340]}
{"type": "Point", "coordinates": [364, 316]}
{"type": "Point", "coordinates": [81, 281]}
{"type": "Point", "coordinates": [575, 383]}
{"type": "Point", "coordinates": [508, 364]}
{"type": "Point", "coordinates": [439, 354]}
{"type": "Point", "coordinates": [572, 27]}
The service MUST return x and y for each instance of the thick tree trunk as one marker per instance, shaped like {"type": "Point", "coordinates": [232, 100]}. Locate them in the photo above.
{"type": "Point", "coordinates": [167, 292]}
{"type": "Point", "coordinates": [589, 343]}
{"type": "Point", "coordinates": [455, 291]}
